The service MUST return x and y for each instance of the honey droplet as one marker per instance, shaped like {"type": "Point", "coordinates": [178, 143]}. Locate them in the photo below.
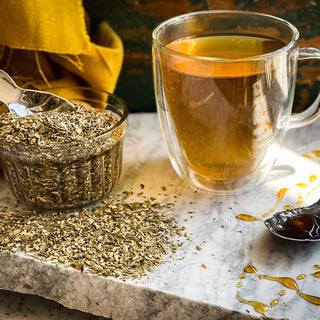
{"type": "Point", "coordinates": [316, 274]}
{"type": "Point", "coordinates": [308, 156]}
{"type": "Point", "coordinates": [299, 202]}
{"type": "Point", "coordinates": [250, 269]}
{"type": "Point", "coordinates": [247, 217]}
{"type": "Point", "coordinates": [284, 304]}
{"type": "Point", "coordinates": [301, 185]}
{"type": "Point", "coordinates": [259, 307]}
{"type": "Point", "coordinates": [239, 284]}
{"type": "Point", "coordinates": [316, 153]}
{"type": "Point", "coordinates": [312, 178]}
{"type": "Point", "coordinates": [266, 214]}
{"type": "Point", "coordinates": [242, 276]}
{"type": "Point", "coordinates": [281, 194]}
{"type": "Point", "coordinates": [301, 276]}
{"type": "Point", "coordinates": [288, 207]}
{"type": "Point", "coordinates": [316, 267]}
{"type": "Point", "coordinates": [282, 292]}
{"type": "Point", "coordinates": [274, 302]}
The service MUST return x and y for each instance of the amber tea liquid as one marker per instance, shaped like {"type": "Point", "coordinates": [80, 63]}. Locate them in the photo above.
{"type": "Point", "coordinates": [223, 114]}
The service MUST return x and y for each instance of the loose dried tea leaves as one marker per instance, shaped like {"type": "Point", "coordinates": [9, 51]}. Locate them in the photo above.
{"type": "Point", "coordinates": [61, 159]}
{"type": "Point", "coordinates": [53, 128]}
{"type": "Point", "coordinates": [116, 238]}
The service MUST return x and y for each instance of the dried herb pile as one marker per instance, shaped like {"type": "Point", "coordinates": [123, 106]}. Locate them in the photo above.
{"type": "Point", "coordinates": [116, 238]}
{"type": "Point", "coordinates": [54, 128]}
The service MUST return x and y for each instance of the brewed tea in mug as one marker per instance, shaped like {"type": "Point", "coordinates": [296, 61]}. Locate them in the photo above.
{"type": "Point", "coordinates": [224, 85]}
{"type": "Point", "coordinates": [230, 112]}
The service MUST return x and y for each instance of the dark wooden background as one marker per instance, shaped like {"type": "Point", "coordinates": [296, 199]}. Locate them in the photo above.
{"type": "Point", "coordinates": [134, 21]}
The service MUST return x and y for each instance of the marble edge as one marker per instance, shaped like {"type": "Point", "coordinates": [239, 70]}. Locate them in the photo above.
{"type": "Point", "coordinates": [101, 296]}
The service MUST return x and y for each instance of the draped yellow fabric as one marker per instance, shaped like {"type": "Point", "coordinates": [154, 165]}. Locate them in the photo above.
{"type": "Point", "coordinates": [47, 44]}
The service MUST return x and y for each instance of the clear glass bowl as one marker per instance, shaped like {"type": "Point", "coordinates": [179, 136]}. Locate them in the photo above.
{"type": "Point", "coordinates": [72, 174]}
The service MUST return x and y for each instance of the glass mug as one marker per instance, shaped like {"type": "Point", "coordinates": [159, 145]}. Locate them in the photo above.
{"type": "Point", "coordinates": [224, 84]}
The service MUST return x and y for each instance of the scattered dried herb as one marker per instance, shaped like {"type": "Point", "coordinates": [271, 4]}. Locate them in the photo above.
{"type": "Point", "coordinates": [115, 238]}
{"type": "Point", "coordinates": [61, 159]}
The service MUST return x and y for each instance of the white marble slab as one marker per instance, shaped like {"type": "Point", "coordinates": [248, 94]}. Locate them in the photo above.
{"type": "Point", "coordinates": [197, 284]}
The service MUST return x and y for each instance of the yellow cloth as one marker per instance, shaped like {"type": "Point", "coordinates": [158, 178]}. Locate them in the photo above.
{"type": "Point", "coordinates": [45, 44]}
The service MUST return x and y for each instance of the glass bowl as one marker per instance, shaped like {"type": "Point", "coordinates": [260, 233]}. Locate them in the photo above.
{"type": "Point", "coordinates": [71, 174]}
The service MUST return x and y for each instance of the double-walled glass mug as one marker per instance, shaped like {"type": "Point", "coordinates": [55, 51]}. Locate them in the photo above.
{"type": "Point", "coordinates": [224, 84]}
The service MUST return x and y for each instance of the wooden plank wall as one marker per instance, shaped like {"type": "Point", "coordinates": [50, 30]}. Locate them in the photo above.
{"type": "Point", "coordinates": [134, 21]}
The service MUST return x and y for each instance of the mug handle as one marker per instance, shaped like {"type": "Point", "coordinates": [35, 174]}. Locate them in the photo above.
{"type": "Point", "coordinates": [313, 111]}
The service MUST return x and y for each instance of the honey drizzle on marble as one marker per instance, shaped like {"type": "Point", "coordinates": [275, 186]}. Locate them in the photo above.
{"type": "Point", "coordinates": [312, 178]}
{"type": "Point", "coordinates": [313, 155]}
{"type": "Point", "coordinates": [288, 282]}
{"type": "Point", "coordinates": [301, 276]}
{"type": "Point", "coordinates": [282, 292]}
{"type": "Point", "coordinates": [316, 153]}
{"type": "Point", "coordinates": [259, 307]}
{"type": "Point", "coordinates": [247, 217]}
{"type": "Point", "coordinates": [292, 284]}
{"type": "Point", "coordinates": [274, 302]}
{"type": "Point", "coordinates": [281, 193]}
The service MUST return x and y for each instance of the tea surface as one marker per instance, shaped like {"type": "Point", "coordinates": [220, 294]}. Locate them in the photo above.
{"type": "Point", "coordinates": [226, 46]}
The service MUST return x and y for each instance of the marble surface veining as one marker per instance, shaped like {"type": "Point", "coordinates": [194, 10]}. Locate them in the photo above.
{"type": "Point", "coordinates": [203, 279]}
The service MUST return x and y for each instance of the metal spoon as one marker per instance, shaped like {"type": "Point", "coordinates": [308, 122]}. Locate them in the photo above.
{"type": "Point", "coordinates": [299, 224]}
{"type": "Point", "coordinates": [23, 102]}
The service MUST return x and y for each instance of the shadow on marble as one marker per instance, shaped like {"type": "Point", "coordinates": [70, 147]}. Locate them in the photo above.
{"type": "Point", "coordinates": [268, 249]}
{"type": "Point", "coordinates": [281, 172]}
{"type": "Point", "coordinates": [16, 306]}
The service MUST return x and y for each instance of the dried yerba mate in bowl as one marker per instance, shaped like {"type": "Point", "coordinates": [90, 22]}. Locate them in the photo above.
{"type": "Point", "coordinates": [64, 159]}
